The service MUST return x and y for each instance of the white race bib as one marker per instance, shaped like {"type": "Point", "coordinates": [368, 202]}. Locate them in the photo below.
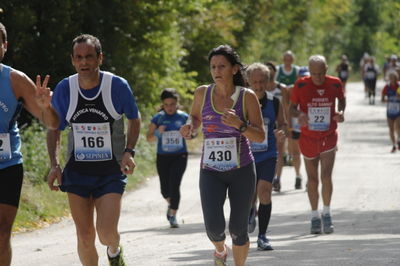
{"type": "Point", "coordinates": [319, 118]}
{"type": "Point", "coordinates": [220, 154]}
{"type": "Point", "coordinates": [171, 141]}
{"type": "Point", "coordinates": [92, 142]}
{"type": "Point", "coordinates": [5, 147]}
{"type": "Point", "coordinates": [370, 75]}
{"type": "Point", "coordinates": [343, 74]}
{"type": "Point", "coordinates": [263, 146]}
{"type": "Point", "coordinates": [393, 108]}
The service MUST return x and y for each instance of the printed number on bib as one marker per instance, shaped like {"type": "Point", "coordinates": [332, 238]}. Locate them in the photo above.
{"type": "Point", "coordinates": [220, 154]}
{"type": "Point", "coordinates": [171, 141]}
{"type": "Point", "coordinates": [5, 147]}
{"type": "Point", "coordinates": [393, 108]}
{"type": "Point", "coordinates": [319, 118]}
{"type": "Point", "coordinates": [263, 146]}
{"type": "Point", "coordinates": [92, 142]}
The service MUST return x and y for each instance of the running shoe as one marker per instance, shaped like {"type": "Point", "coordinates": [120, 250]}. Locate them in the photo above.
{"type": "Point", "coordinates": [393, 149]}
{"type": "Point", "coordinates": [297, 185]}
{"type": "Point", "coordinates": [252, 221]}
{"type": "Point", "coordinates": [276, 184]}
{"type": "Point", "coordinates": [173, 222]}
{"type": "Point", "coordinates": [220, 260]}
{"type": "Point", "coordinates": [316, 225]}
{"type": "Point", "coordinates": [327, 223]}
{"type": "Point", "coordinates": [118, 260]}
{"type": "Point", "coordinates": [263, 243]}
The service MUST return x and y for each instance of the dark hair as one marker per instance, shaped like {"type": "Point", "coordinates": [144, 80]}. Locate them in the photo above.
{"type": "Point", "coordinates": [230, 54]}
{"type": "Point", "coordinates": [3, 32]}
{"type": "Point", "coordinates": [169, 93]}
{"type": "Point", "coordinates": [85, 38]}
{"type": "Point", "coordinates": [271, 65]}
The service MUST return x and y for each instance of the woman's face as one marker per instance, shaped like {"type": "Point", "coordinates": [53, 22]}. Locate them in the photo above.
{"type": "Point", "coordinates": [170, 105]}
{"type": "Point", "coordinates": [222, 70]}
{"type": "Point", "coordinates": [393, 79]}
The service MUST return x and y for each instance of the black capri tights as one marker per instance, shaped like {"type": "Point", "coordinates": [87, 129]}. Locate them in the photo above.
{"type": "Point", "coordinates": [170, 168]}
{"type": "Point", "coordinates": [240, 184]}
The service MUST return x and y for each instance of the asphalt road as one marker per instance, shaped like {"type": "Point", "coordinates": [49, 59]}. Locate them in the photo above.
{"type": "Point", "coordinates": [365, 210]}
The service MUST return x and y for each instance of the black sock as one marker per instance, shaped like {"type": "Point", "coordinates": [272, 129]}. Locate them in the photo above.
{"type": "Point", "coordinates": [264, 215]}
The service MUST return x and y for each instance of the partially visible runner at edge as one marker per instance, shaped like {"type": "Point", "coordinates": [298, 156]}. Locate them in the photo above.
{"type": "Point", "coordinates": [287, 74]}
{"type": "Point", "coordinates": [391, 95]}
{"type": "Point", "coordinates": [265, 153]}
{"type": "Point", "coordinates": [231, 116]}
{"type": "Point", "coordinates": [17, 90]}
{"type": "Point", "coordinates": [313, 101]}
{"type": "Point", "coordinates": [91, 103]}
{"type": "Point", "coordinates": [172, 153]}
{"type": "Point", "coordinates": [280, 91]}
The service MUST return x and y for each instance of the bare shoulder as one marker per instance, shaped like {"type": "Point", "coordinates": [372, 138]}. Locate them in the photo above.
{"type": "Point", "coordinates": [21, 83]}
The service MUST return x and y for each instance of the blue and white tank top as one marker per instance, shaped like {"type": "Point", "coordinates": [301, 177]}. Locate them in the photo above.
{"type": "Point", "coordinates": [266, 149]}
{"type": "Point", "coordinates": [10, 141]}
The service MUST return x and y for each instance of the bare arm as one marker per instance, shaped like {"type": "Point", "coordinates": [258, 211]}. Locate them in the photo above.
{"type": "Point", "coordinates": [36, 99]}
{"type": "Point", "coordinates": [150, 133]}
{"type": "Point", "coordinates": [53, 148]}
{"type": "Point", "coordinates": [255, 129]}
{"type": "Point", "coordinates": [128, 163]}
{"type": "Point", "coordinates": [194, 121]}
{"type": "Point", "coordinates": [280, 131]}
{"type": "Point", "coordinates": [339, 117]}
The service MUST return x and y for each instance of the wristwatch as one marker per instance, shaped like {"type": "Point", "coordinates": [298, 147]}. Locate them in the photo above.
{"type": "Point", "coordinates": [243, 127]}
{"type": "Point", "coordinates": [131, 151]}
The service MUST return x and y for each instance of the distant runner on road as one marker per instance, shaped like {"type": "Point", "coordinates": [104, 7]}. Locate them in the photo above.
{"type": "Point", "coordinates": [171, 150]}
{"type": "Point", "coordinates": [391, 95]}
{"type": "Point", "coordinates": [231, 116]}
{"type": "Point", "coordinates": [287, 74]}
{"type": "Point", "coordinates": [313, 101]}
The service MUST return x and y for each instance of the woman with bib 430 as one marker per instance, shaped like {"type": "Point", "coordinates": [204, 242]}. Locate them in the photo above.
{"type": "Point", "coordinates": [231, 116]}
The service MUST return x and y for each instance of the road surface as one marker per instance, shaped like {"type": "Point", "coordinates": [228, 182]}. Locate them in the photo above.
{"type": "Point", "coordinates": [365, 209]}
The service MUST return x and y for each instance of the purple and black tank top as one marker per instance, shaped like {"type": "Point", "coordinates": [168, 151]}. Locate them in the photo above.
{"type": "Point", "coordinates": [224, 147]}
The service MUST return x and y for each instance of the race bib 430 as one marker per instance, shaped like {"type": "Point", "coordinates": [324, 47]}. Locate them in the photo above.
{"type": "Point", "coordinates": [220, 154]}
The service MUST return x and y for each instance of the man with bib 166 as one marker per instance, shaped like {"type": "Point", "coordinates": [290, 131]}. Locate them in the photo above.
{"type": "Point", "coordinates": [315, 97]}
{"type": "Point", "coordinates": [92, 103]}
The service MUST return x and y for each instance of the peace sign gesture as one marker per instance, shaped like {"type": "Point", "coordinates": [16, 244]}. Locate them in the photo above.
{"type": "Point", "coordinates": [43, 93]}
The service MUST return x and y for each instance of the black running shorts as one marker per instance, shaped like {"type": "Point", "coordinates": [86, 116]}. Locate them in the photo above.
{"type": "Point", "coordinates": [11, 184]}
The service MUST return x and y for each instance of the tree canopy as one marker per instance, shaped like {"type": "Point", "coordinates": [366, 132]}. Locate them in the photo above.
{"type": "Point", "coordinates": [164, 43]}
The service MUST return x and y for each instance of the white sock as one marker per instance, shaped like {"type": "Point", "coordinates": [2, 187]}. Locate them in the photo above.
{"type": "Point", "coordinates": [326, 210]}
{"type": "Point", "coordinates": [113, 255]}
{"type": "Point", "coordinates": [314, 214]}
{"type": "Point", "coordinates": [221, 254]}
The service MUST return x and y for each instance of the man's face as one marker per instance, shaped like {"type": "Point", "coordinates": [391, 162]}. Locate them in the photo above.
{"type": "Point", "coordinates": [317, 72]}
{"type": "Point", "coordinates": [258, 82]}
{"type": "Point", "coordinates": [288, 60]}
{"type": "Point", "coordinates": [3, 48]}
{"type": "Point", "coordinates": [85, 59]}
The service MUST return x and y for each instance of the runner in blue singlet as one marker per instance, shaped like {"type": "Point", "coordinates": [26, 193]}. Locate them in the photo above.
{"type": "Point", "coordinates": [91, 103]}
{"type": "Point", "coordinates": [265, 153]}
{"type": "Point", "coordinates": [171, 150]}
{"type": "Point", "coordinates": [16, 90]}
